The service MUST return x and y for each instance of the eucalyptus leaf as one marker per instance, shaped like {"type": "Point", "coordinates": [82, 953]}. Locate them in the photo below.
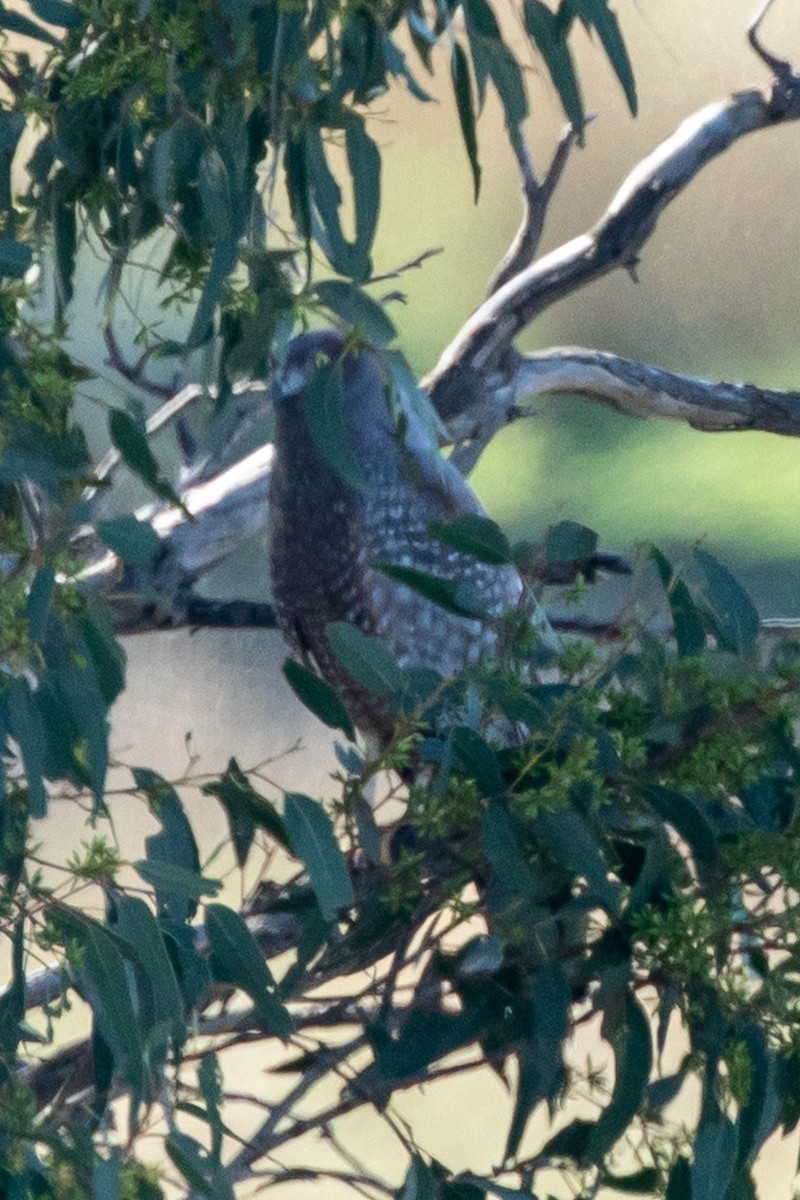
{"type": "Point", "coordinates": [478, 536]}
{"type": "Point", "coordinates": [459, 71]}
{"type": "Point", "coordinates": [365, 658]}
{"type": "Point", "coordinates": [133, 540]}
{"type": "Point", "coordinates": [237, 958]}
{"type": "Point", "coordinates": [358, 309]}
{"type": "Point", "coordinates": [313, 841]}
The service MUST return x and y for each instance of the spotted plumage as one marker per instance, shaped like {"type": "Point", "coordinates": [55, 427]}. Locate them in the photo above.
{"type": "Point", "coordinates": [327, 534]}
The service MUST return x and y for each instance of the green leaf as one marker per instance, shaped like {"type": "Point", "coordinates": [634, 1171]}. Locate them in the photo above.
{"type": "Point", "coordinates": [106, 653]}
{"type": "Point", "coordinates": [313, 841]}
{"type": "Point", "coordinates": [56, 12]}
{"type": "Point", "coordinates": [735, 615]}
{"type": "Point", "coordinates": [246, 810]}
{"type": "Point", "coordinates": [680, 1181]}
{"type": "Point", "coordinates": [492, 58]}
{"type": "Point", "coordinates": [137, 926]}
{"type": "Point", "coordinates": [541, 1066]}
{"type": "Point", "coordinates": [548, 33]}
{"type": "Point", "coordinates": [104, 984]}
{"type": "Point", "coordinates": [419, 1183]}
{"type": "Point", "coordinates": [347, 258]}
{"type": "Point", "coordinates": [318, 697]}
{"type": "Point", "coordinates": [645, 1181]}
{"type": "Point", "coordinates": [570, 1142]}
{"type": "Point", "coordinates": [568, 541]}
{"type": "Point", "coordinates": [14, 22]}
{"type": "Point", "coordinates": [459, 72]}
{"type": "Point", "coordinates": [237, 958]}
{"type": "Point", "coordinates": [689, 821]}
{"type": "Point", "coordinates": [512, 897]}
{"type": "Point", "coordinates": [204, 1174]}
{"type": "Point", "coordinates": [65, 238]}
{"type": "Point", "coordinates": [597, 15]}
{"type": "Point", "coordinates": [130, 439]}
{"type": "Point", "coordinates": [107, 1175]}
{"type": "Point", "coordinates": [690, 633]}
{"type": "Point", "coordinates": [477, 536]}
{"type": "Point", "coordinates": [741, 1186]}
{"type": "Point", "coordinates": [15, 257]}
{"type": "Point", "coordinates": [454, 596]}
{"type": "Point", "coordinates": [714, 1159]}
{"type": "Point", "coordinates": [175, 844]}
{"type": "Point", "coordinates": [12, 998]}
{"type": "Point", "coordinates": [364, 161]}
{"type": "Point", "coordinates": [358, 309]}
{"type": "Point", "coordinates": [176, 880]}
{"type": "Point", "coordinates": [132, 540]}
{"type": "Point", "coordinates": [29, 731]}
{"type": "Point", "coordinates": [323, 402]}
{"type": "Point", "coordinates": [478, 760]}
{"type": "Point", "coordinates": [633, 1057]}
{"type": "Point", "coordinates": [570, 840]}
{"type": "Point", "coordinates": [365, 658]}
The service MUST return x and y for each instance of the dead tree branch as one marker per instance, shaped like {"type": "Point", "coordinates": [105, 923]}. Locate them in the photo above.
{"type": "Point", "coordinates": [481, 359]}
{"type": "Point", "coordinates": [536, 199]}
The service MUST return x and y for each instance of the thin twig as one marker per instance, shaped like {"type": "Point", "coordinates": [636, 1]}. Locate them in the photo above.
{"type": "Point", "coordinates": [780, 66]}
{"type": "Point", "coordinates": [411, 265]}
{"type": "Point", "coordinates": [536, 201]}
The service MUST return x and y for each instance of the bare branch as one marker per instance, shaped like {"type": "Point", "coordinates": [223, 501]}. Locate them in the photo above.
{"type": "Point", "coordinates": [536, 199]}
{"type": "Point", "coordinates": [481, 355]}
{"type": "Point", "coordinates": [640, 390]}
{"type": "Point", "coordinates": [133, 372]}
{"type": "Point", "coordinates": [224, 512]}
{"type": "Point", "coordinates": [411, 265]}
{"type": "Point", "coordinates": [780, 66]}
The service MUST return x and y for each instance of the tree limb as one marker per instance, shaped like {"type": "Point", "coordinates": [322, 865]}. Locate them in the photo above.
{"type": "Point", "coordinates": [536, 199]}
{"type": "Point", "coordinates": [481, 357]}
{"type": "Point", "coordinates": [640, 390]}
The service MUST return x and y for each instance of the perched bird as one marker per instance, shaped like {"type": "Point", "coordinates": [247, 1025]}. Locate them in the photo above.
{"type": "Point", "coordinates": [329, 532]}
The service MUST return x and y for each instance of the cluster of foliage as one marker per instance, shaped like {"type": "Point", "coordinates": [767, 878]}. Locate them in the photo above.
{"type": "Point", "coordinates": [630, 858]}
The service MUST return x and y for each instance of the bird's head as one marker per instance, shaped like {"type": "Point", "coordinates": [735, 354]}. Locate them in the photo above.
{"type": "Point", "coordinates": [353, 404]}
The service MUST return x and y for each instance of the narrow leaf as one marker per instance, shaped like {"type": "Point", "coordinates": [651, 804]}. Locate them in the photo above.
{"type": "Point", "coordinates": [633, 1055]}
{"type": "Point", "coordinates": [137, 926]}
{"type": "Point", "coordinates": [689, 821]}
{"type": "Point", "coordinates": [459, 72]}
{"type": "Point", "coordinates": [456, 597]}
{"type": "Point", "coordinates": [132, 540]}
{"type": "Point", "coordinates": [15, 257]}
{"type": "Point", "coordinates": [318, 697]}
{"type": "Point", "coordinates": [477, 536]}
{"type": "Point", "coordinates": [105, 985]}
{"type": "Point", "coordinates": [246, 810]}
{"type": "Point", "coordinates": [358, 309]}
{"type": "Point", "coordinates": [734, 613]}
{"type": "Point", "coordinates": [365, 658]}
{"type": "Point", "coordinates": [313, 841]}
{"type": "Point", "coordinates": [323, 401]}
{"type": "Point", "coordinates": [237, 958]}
{"type": "Point", "coordinates": [177, 880]}
{"type": "Point", "coordinates": [690, 633]}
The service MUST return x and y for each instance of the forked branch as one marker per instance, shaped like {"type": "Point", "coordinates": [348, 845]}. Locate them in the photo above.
{"type": "Point", "coordinates": [481, 358]}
